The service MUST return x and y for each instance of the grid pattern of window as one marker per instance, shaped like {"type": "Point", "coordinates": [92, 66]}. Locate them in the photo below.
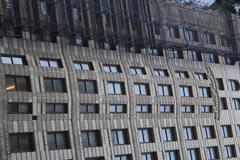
{"type": "Point", "coordinates": [194, 55]}
{"type": "Point", "coordinates": [229, 151]}
{"type": "Point", "coordinates": [148, 156]}
{"type": "Point", "coordinates": [172, 155]}
{"type": "Point", "coordinates": [193, 154]}
{"type": "Point", "coordinates": [206, 109]}
{"type": "Point", "coordinates": [182, 74]}
{"type": "Point", "coordinates": [236, 103]}
{"type": "Point", "coordinates": [204, 92]}
{"type": "Point", "coordinates": [212, 153]}
{"type": "Point", "coordinates": [201, 76]}
{"type": "Point", "coordinates": [173, 31]}
{"type": "Point", "coordinates": [175, 53]}
{"type": "Point", "coordinates": [233, 85]}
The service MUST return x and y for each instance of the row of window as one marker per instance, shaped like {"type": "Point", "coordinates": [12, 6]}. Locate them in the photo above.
{"type": "Point", "coordinates": [24, 142]}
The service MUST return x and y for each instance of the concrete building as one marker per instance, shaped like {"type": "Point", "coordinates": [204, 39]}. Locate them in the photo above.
{"type": "Point", "coordinates": [118, 80]}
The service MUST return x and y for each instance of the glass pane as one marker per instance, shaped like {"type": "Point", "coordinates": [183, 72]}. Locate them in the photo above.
{"type": "Point", "coordinates": [10, 84]}
{"type": "Point", "coordinates": [112, 108]}
{"type": "Point", "coordinates": [77, 66]}
{"type": "Point", "coordinates": [106, 68]}
{"type": "Point", "coordinates": [17, 60]}
{"type": "Point", "coordinates": [6, 60]}
{"type": "Point", "coordinates": [12, 108]}
{"type": "Point", "coordinates": [62, 140]}
{"type": "Point", "coordinates": [22, 84]}
{"type": "Point", "coordinates": [14, 144]}
{"type": "Point", "coordinates": [23, 108]}
{"type": "Point", "coordinates": [50, 108]}
{"type": "Point", "coordinates": [60, 108]}
{"type": "Point", "coordinates": [52, 141]}
{"type": "Point", "coordinates": [90, 87]}
{"type": "Point", "coordinates": [85, 66]}
{"type": "Point", "coordinates": [120, 108]}
{"type": "Point", "coordinates": [136, 89]}
{"type": "Point", "coordinates": [48, 85]}
{"type": "Point", "coordinates": [83, 108]}
{"type": "Point", "coordinates": [118, 89]}
{"type": "Point", "coordinates": [114, 137]}
{"type": "Point", "coordinates": [58, 85]}
{"type": "Point", "coordinates": [25, 141]}
{"type": "Point", "coordinates": [81, 86]}
{"type": "Point", "coordinates": [110, 88]}
{"type": "Point", "coordinates": [54, 64]}
{"type": "Point", "coordinates": [114, 69]}
{"type": "Point", "coordinates": [44, 63]}
{"type": "Point", "coordinates": [84, 137]}
{"type": "Point", "coordinates": [92, 108]}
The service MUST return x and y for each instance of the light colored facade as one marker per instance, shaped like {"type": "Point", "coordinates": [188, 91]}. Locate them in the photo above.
{"type": "Point", "coordinates": [178, 100]}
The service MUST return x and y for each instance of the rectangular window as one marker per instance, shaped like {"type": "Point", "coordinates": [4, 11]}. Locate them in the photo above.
{"type": "Point", "coordinates": [89, 108]}
{"type": "Point", "coordinates": [123, 157]}
{"type": "Point", "coordinates": [91, 138]}
{"type": "Point", "coordinates": [193, 154]}
{"type": "Point", "coordinates": [145, 135]}
{"type": "Point", "coordinates": [236, 103]}
{"type": "Point", "coordinates": [201, 76]}
{"type": "Point", "coordinates": [12, 59]}
{"type": "Point", "coordinates": [148, 156]}
{"type": "Point", "coordinates": [117, 108]}
{"type": "Point", "coordinates": [43, 7]}
{"type": "Point", "coordinates": [86, 66]}
{"type": "Point", "coordinates": [204, 92]}
{"type": "Point", "coordinates": [226, 131]}
{"type": "Point", "coordinates": [56, 108]}
{"type": "Point", "coordinates": [157, 27]}
{"type": "Point", "coordinates": [141, 89]}
{"type": "Point", "coordinates": [210, 38]}
{"type": "Point", "coordinates": [220, 84]}
{"type": "Point", "coordinates": [120, 136]}
{"type": "Point", "coordinates": [229, 60]}
{"type": "Point", "coordinates": [143, 108]}
{"type": "Point", "coordinates": [187, 109]}
{"type": "Point", "coordinates": [51, 63]}
{"type": "Point", "coordinates": [194, 55]}
{"type": "Point", "coordinates": [182, 74]}
{"type": "Point", "coordinates": [169, 134]}
{"type": "Point", "coordinates": [176, 53]}
{"type": "Point", "coordinates": [185, 91]}
{"type": "Point", "coordinates": [173, 31]}
{"type": "Point", "coordinates": [58, 140]}
{"type": "Point", "coordinates": [95, 158]}
{"type": "Point", "coordinates": [238, 130]}
{"type": "Point", "coordinates": [192, 35]}
{"type": "Point", "coordinates": [212, 153]}
{"type": "Point", "coordinates": [87, 86]}
{"type": "Point", "coordinates": [21, 142]}
{"type": "Point", "coordinates": [17, 83]}
{"type": "Point", "coordinates": [190, 133]}
{"type": "Point", "coordinates": [230, 151]}
{"type": "Point", "coordinates": [54, 85]}
{"type": "Point", "coordinates": [225, 41]}
{"type": "Point", "coordinates": [19, 108]}
{"type": "Point", "coordinates": [164, 90]}
{"type": "Point", "coordinates": [172, 155]}
{"type": "Point", "coordinates": [209, 132]}
{"type": "Point", "coordinates": [137, 71]}
{"type": "Point", "coordinates": [115, 88]}
{"type": "Point", "coordinates": [160, 72]}
{"type": "Point", "coordinates": [212, 58]}
{"type": "Point", "coordinates": [233, 85]}
{"type": "Point", "coordinates": [166, 108]}
{"type": "Point", "coordinates": [112, 68]}
{"type": "Point", "coordinates": [206, 109]}
{"type": "Point", "coordinates": [223, 103]}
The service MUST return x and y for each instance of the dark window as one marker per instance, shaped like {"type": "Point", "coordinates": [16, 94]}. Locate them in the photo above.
{"type": "Point", "coordinates": [21, 142]}
{"type": "Point", "coordinates": [87, 86]}
{"type": "Point", "coordinates": [89, 108]}
{"type": "Point", "coordinates": [190, 133]}
{"type": "Point", "coordinates": [212, 58]}
{"type": "Point", "coordinates": [169, 134]}
{"type": "Point", "coordinates": [172, 155]}
{"type": "Point", "coordinates": [51, 63]}
{"type": "Point", "coordinates": [226, 131]}
{"type": "Point", "coordinates": [91, 138]}
{"type": "Point", "coordinates": [56, 108]}
{"type": "Point", "coordinates": [212, 153]}
{"type": "Point", "coordinates": [10, 59]}
{"type": "Point", "coordinates": [233, 85]}
{"type": "Point", "coordinates": [220, 84]}
{"type": "Point", "coordinates": [54, 85]}
{"type": "Point", "coordinates": [210, 38]}
{"type": "Point", "coordinates": [176, 53]}
{"type": "Point", "coordinates": [117, 108]}
{"type": "Point", "coordinates": [95, 158]}
{"type": "Point", "coordinates": [18, 83]}
{"type": "Point", "coordinates": [225, 41]}
{"type": "Point", "coordinates": [145, 135]}
{"type": "Point", "coordinates": [83, 66]}
{"type": "Point", "coordinates": [230, 151]}
{"type": "Point", "coordinates": [236, 103]}
{"type": "Point", "coordinates": [19, 108]}
{"type": "Point", "coordinates": [192, 35]}
{"type": "Point", "coordinates": [58, 140]}
{"type": "Point", "coordinates": [194, 55]}
{"type": "Point", "coordinates": [149, 156]}
{"type": "Point", "coordinates": [209, 132]}
{"type": "Point", "coordinates": [193, 154]}
{"type": "Point", "coordinates": [201, 76]}
{"type": "Point", "coordinates": [182, 74]}
{"type": "Point", "coordinates": [206, 109]}
{"type": "Point", "coordinates": [173, 31]}
{"type": "Point", "coordinates": [115, 88]}
{"type": "Point", "coordinates": [123, 157]}
{"type": "Point", "coordinates": [223, 103]}
{"type": "Point", "coordinates": [120, 136]}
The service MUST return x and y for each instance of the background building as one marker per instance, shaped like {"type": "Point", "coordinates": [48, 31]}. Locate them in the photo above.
{"type": "Point", "coordinates": [118, 79]}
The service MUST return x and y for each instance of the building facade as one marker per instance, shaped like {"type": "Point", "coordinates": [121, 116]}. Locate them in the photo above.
{"type": "Point", "coordinates": [118, 80]}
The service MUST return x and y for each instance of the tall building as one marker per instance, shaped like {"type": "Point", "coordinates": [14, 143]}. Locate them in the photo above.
{"type": "Point", "coordinates": [118, 80]}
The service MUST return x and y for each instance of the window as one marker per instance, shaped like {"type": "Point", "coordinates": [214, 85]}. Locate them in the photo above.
{"type": "Point", "coordinates": [229, 60]}
{"type": "Point", "coordinates": [194, 55]}
{"type": "Point", "coordinates": [192, 35]}
{"type": "Point", "coordinates": [160, 72]}
{"type": "Point", "coordinates": [169, 134]}
{"type": "Point", "coordinates": [19, 108]}
{"type": "Point", "coordinates": [206, 109]}
{"type": "Point", "coordinates": [95, 158]}
{"type": "Point", "coordinates": [175, 53]}
{"type": "Point", "coordinates": [21, 142]}
{"type": "Point", "coordinates": [87, 66]}
{"type": "Point", "coordinates": [223, 103]}
{"type": "Point", "coordinates": [173, 31]}
{"type": "Point", "coordinates": [204, 92]}
{"type": "Point", "coordinates": [112, 68]}
{"type": "Point", "coordinates": [56, 108]}
{"type": "Point", "coordinates": [115, 88]}
{"type": "Point", "coordinates": [141, 89]}
{"type": "Point", "coordinates": [172, 155]}
{"type": "Point", "coordinates": [10, 59]}
{"type": "Point", "coordinates": [58, 140]}
{"type": "Point", "coordinates": [149, 156]}
{"type": "Point", "coordinates": [143, 108]}
{"type": "Point", "coordinates": [233, 85]}
{"type": "Point", "coordinates": [236, 103]}
{"type": "Point", "coordinates": [229, 151]}
{"type": "Point", "coordinates": [238, 130]}
{"type": "Point", "coordinates": [120, 136]}
{"type": "Point", "coordinates": [123, 157]}
{"type": "Point", "coordinates": [226, 131]}
{"type": "Point", "coordinates": [186, 91]}
{"type": "Point", "coordinates": [212, 153]}
{"type": "Point", "coordinates": [54, 85]}
{"type": "Point", "coordinates": [89, 108]}
{"type": "Point", "coordinates": [201, 76]}
{"type": "Point", "coordinates": [210, 38]}
{"type": "Point", "coordinates": [117, 108]}
{"type": "Point", "coordinates": [193, 154]}
{"type": "Point", "coordinates": [164, 90]}
{"type": "Point", "coordinates": [157, 28]}
{"type": "Point", "coordinates": [137, 71]}
{"type": "Point", "coordinates": [87, 86]}
{"type": "Point", "coordinates": [155, 51]}
{"type": "Point", "coordinates": [212, 58]}
{"type": "Point", "coordinates": [225, 41]}
{"type": "Point", "coordinates": [43, 7]}
{"type": "Point", "coordinates": [187, 109]}
{"type": "Point", "coordinates": [182, 74]}
{"type": "Point", "coordinates": [209, 132]}
{"type": "Point", "coordinates": [51, 63]}
{"type": "Point", "coordinates": [166, 108]}
{"type": "Point", "coordinates": [190, 133]}
{"type": "Point", "coordinates": [91, 138]}
{"type": "Point", "coordinates": [18, 83]}
{"type": "Point", "coordinates": [220, 84]}
{"type": "Point", "coordinates": [145, 135]}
